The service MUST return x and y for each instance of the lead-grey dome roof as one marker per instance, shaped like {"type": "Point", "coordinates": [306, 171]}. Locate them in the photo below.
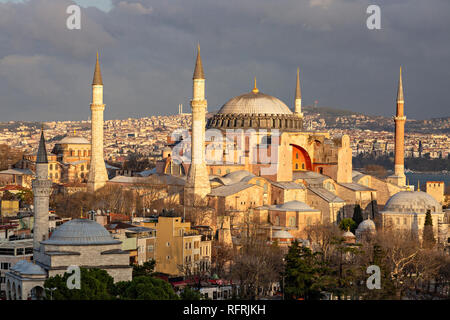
{"type": "Point", "coordinates": [81, 232]}
{"type": "Point", "coordinates": [255, 103]}
{"type": "Point", "coordinates": [412, 202]}
{"type": "Point", "coordinates": [73, 140]}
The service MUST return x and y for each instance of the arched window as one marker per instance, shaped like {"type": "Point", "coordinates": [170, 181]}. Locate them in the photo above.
{"type": "Point", "coordinates": [303, 166]}
{"type": "Point", "coordinates": [51, 166]}
{"type": "Point", "coordinates": [219, 171]}
{"type": "Point", "coordinates": [296, 166]}
{"type": "Point", "coordinates": [51, 176]}
{"type": "Point", "coordinates": [296, 155]}
{"type": "Point", "coordinates": [292, 221]}
{"type": "Point", "coordinates": [79, 153]}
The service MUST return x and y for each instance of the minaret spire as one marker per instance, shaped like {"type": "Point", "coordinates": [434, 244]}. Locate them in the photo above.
{"type": "Point", "coordinates": [400, 88]}
{"type": "Point", "coordinates": [97, 74]}
{"type": "Point", "coordinates": [42, 150]}
{"type": "Point", "coordinates": [298, 96]}
{"type": "Point", "coordinates": [298, 93]}
{"type": "Point", "coordinates": [399, 177]}
{"type": "Point", "coordinates": [42, 187]}
{"type": "Point", "coordinates": [97, 172]}
{"type": "Point", "coordinates": [197, 183]}
{"type": "Point", "coordinates": [198, 71]}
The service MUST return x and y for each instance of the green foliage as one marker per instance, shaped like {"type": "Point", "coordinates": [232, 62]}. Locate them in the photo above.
{"type": "Point", "coordinates": [347, 223]}
{"type": "Point", "coordinates": [428, 233]}
{"type": "Point", "coordinates": [357, 216]}
{"type": "Point", "coordinates": [96, 284]}
{"type": "Point", "coordinates": [145, 288]}
{"type": "Point", "coordinates": [190, 294]}
{"type": "Point", "coordinates": [25, 196]}
{"type": "Point", "coordinates": [304, 273]}
{"type": "Point", "coordinates": [147, 269]}
{"type": "Point", "coordinates": [9, 196]}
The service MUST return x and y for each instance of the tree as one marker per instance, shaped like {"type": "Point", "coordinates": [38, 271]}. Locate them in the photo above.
{"type": "Point", "coordinates": [305, 274]}
{"type": "Point", "coordinates": [323, 237]}
{"type": "Point", "coordinates": [96, 284]}
{"type": "Point", "coordinates": [347, 223]}
{"type": "Point", "coordinates": [147, 269]}
{"type": "Point", "coordinates": [190, 294]}
{"type": "Point", "coordinates": [257, 265]}
{"type": "Point", "coordinates": [145, 288]}
{"type": "Point", "coordinates": [428, 234]}
{"type": "Point", "coordinates": [357, 216]}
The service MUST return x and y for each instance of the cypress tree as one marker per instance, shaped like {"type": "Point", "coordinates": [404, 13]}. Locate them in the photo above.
{"type": "Point", "coordinates": [357, 215]}
{"type": "Point", "coordinates": [428, 234]}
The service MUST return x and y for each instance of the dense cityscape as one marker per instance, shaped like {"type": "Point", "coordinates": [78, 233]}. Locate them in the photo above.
{"type": "Point", "coordinates": [232, 203]}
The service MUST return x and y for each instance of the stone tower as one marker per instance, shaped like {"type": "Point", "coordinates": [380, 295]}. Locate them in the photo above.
{"type": "Point", "coordinates": [298, 97]}
{"type": "Point", "coordinates": [197, 184]}
{"type": "Point", "coordinates": [42, 187]}
{"type": "Point", "coordinates": [399, 177]}
{"type": "Point", "coordinates": [97, 172]}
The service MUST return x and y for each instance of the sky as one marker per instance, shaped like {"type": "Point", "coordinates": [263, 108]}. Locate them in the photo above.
{"type": "Point", "coordinates": [147, 54]}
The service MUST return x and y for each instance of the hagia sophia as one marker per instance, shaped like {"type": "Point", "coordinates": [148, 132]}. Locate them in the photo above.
{"type": "Point", "coordinates": [278, 178]}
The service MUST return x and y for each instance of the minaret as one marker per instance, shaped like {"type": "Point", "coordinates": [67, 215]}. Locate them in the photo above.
{"type": "Point", "coordinates": [97, 172]}
{"type": "Point", "coordinates": [399, 177]}
{"type": "Point", "coordinates": [197, 184]}
{"type": "Point", "coordinates": [42, 187]}
{"type": "Point", "coordinates": [298, 97]}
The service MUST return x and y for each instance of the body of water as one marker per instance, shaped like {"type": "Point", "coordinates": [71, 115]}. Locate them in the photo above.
{"type": "Point", "coordinates": [423, 177]}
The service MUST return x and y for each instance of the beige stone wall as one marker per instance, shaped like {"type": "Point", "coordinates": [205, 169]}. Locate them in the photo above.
{"type": "Point", "coordinates": [436, 190]}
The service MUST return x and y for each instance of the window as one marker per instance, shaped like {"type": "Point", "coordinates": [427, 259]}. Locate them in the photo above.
{"type": "Point", "coordinates": [219, 171]}
{"type": "Point", "coordinates": [51, 166]}
{"type": "Point", "coordinates": [228, 170]}
{"type": "Point", "coordinates": [296, 166]}
{"type": "Point", "coordinates": [150, 248]}
{"type": "Point", "coordinates": [168, 244]}
{"type": "Point", "coordinates": [303, 166]}
{"type": "Point", "coordinates": [51, 176]}
{"type": "Point", "coordinates": [5, 266]}
{"type": "Point", "coordinates": [292, 221]}
{"type": "Point", "coordinates": [296, 155]}
{"type": "Point", "coordinates": [168, 257]}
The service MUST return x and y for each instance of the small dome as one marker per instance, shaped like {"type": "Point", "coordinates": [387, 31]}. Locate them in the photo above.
{"type": "Point", "coordinates": [292, 206]}
{"type": "Point", "coordinates": [366, 225]}
{"type": "Point", "coordinates": [255, 103]}
{"type": "Point", "coordinates": [348, 234]}
{"type": "Point", "coordinates": [81, 232]}
{"type": "Point", "coordinates": [26, 267]}
{"type": "Point", "coordinates": [416, 201]}
{"type": "Point", "coordinates": [73, 140]}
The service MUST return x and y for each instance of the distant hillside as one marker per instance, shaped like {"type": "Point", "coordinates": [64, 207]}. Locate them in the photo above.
{"type": "Point", "coordinates": [345, 119]}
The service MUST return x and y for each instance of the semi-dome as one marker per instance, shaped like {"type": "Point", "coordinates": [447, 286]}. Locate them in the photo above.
{"type": "Point", "coordinates": [81, 232]}
{"type": "Point", "coordinates": [255, 103]}
{"type": "Point", "coordinates": [73, 140]}
{"type": "Point", "coordinates": [412, 202]}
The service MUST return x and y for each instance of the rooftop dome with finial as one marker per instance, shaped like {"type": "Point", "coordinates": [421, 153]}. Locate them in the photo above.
{"type": "Point", "coordinates": [253, 103]}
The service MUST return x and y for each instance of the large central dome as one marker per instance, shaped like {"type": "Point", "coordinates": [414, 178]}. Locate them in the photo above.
{"type": "Point", "coordinates": [255, 103]}
{"type": "Point", "coordinates": [255, 110]}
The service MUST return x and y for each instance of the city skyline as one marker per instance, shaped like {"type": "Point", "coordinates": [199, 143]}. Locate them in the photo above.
{"type": "Point", "coordinates": [342, 64]}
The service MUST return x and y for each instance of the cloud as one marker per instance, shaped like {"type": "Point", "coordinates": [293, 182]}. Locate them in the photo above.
{"type": "Point", "coordinates": [147, 51]}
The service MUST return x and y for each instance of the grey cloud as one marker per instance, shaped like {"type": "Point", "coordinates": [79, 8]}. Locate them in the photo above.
{"type": "Point", "coordinates": [147, 55]}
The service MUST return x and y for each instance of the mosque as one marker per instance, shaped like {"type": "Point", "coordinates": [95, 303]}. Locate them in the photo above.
{"type": "Point", "coordinates": [275, 175]}
{"type": "Point", "coordinates": [79, 242]}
